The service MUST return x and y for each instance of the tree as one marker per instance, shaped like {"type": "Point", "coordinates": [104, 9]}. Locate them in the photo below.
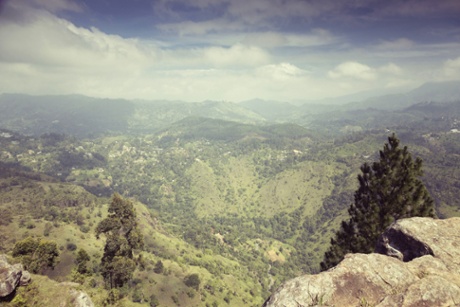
{"type": "Point", "coordinates": [389, 189]}
{"type": "Point", "coordinates": [122, 238]}
{"type": "Point", "coordinates": [192, 281]}
{"type": "Point", "coordinates": [36, 255]}
{"type": "Point", "coordinates": [82, 261]}
{"type": "Point", "coordinates": [159, 267]}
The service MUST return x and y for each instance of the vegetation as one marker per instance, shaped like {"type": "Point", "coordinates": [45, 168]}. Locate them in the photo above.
{"type": "Point", "coordinates": [122, 238]}
{"type": "Point", "coordinates": [192, 281]}
{"type": "Point", "coordinates": [242, 206]}
{"type": "Point", "coordinates": [36, 255]}
{"type": "Point", "coordinates": [389, 189]}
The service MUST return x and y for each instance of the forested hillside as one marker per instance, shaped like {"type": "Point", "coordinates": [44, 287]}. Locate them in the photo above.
{"type": "Point", "coordinates": [239, 205]}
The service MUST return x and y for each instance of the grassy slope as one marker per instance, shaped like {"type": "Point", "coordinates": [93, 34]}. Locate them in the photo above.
{"type": "Point", "coordinates": [222, 180]}
{"type": "Point", "coordinates": [233, 282]}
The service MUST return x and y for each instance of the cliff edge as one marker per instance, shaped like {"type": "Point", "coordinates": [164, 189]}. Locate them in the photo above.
{"type": "Point", "coordinates": [416, 263]}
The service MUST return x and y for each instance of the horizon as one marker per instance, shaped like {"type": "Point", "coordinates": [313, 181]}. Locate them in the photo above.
{"type": "Point", "coordinates": [226, 50]}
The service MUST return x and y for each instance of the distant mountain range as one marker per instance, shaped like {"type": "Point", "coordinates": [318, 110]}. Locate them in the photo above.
{"type": "Point", "coordinates": [83, 116]}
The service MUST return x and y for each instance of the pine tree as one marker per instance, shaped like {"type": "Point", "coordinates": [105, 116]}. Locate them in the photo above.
{"type": "Point", "coordinates": [389, 189]}
{"type": "Point", "coordinates": [123, 236]}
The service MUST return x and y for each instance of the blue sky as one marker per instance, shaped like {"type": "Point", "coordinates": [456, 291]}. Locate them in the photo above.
{"type": "Point", "coordinates": [231, 50]}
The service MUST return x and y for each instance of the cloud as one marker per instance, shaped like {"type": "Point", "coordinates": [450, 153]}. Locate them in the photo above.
{"type": "Point", "coordinates": [216, 16]}
{"type": "Point", "coordinates": [451, 69]}
{"type": "Point", "coordinates": [48, 41]}
{"type": "Point", "coordinates": [282, 71]}
{"type": "Point", "coordinates": [236, 56]}
{"type": "Point", "coordinates": [225, 56]}
{"type": "Point", "coordinates": [421, 8]}
{"type": "Point", "coordinates": [398, 44]}
{"type": "Point", "coordinates": [270, 39]}
{"type": "Point", "coordinates": [391, 69]}
{"type": "Point", "coordinates": [353, 70]}
{"type": "Point", "coordinates": [52, 6]}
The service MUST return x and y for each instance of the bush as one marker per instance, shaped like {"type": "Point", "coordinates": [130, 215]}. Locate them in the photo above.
{"type": "Point", "coordinates": [159, 268]}
{"type": "Point", "coordinates": [154, 301]}
{"type": "Point", "coordinates": [71, 246]}
{"type": "Point", "coordinates": [192, 281]}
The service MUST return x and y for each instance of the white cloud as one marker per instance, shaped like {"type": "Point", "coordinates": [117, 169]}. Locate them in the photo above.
{"type": "Point", "coordinates": [391, 68]}
{"type": "Point", "coordinates": [43, 54]}
{"type": "Point", "coordinates": [236, 56]}
{"type": "Point", "coordinates": [451, 69]}
{"type": "Point", "coordinates": [282, 71]}
{"type": "Point", "coordinates": [353, 70]}
{"type": "Point", "coordinates": [55, 42]}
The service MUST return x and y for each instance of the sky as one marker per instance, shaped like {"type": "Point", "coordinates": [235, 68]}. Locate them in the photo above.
{"type": "Point", "coordinates": [226, 50]}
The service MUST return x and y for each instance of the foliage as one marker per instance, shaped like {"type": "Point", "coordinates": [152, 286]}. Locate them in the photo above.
{"type": "Point", "coordinates": [389, 189]}
{"type": "Point", "coordinates": [122, 237]}
{"type": "Point", "coordinates": [192, 281]}
{"type": "Point", "coordinates": [159, 267]}
{"type": "Point", "coordinates": [228, 200]}
{"type": "Point", "coordinates": [36, 255]}
{"type": "Point", "coordinates": [82, 261]}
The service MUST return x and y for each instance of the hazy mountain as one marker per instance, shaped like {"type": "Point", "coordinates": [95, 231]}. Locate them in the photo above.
{"type": "Point", "coordinates": [270, 109]}
{"type": "Point", "coordinates": [434, 91]}
{"type": "Point", "coordinates": [82, 116]}
{"type": "Point", "coordinates": [72, 114]}
{"type": "Point", "coordinates": [355, 97]}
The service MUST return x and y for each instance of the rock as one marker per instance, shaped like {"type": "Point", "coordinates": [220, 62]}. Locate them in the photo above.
{"type": "Point", "coordinates": [428, 275]}
{"type": "Point", "coordinates": [25, 278]}
{"type": "Point", "coordinates": [419, 236]}
{"type": "Point", "coordinates": [11, 276]}
{"type": "Point", "coordinates": [81, 299]}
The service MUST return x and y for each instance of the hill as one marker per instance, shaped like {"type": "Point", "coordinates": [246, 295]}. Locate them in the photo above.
{"type": "Point", "coordinates": [243, 203]}
{"type": "Point", "coordinates": [83, 116]}
{"type": "Point", "coordinates": [271, 110]}
{"type": "Point", "coordinates": [428, 92]}
{"type": "Point", "coordinates": [67, 214]}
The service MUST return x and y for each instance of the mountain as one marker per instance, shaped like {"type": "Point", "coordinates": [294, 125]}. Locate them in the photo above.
{"type": "Point", "coordinates": [220, 191]}
{"type": "Point", "coordinates": [271, 110]}
{"type": "Point", "coordinates": [150, 116]}
{"type": "Point", "coordinates": [428, 92]}
{"type": "Point", "coordinates": [84, 116]}
{"type": "Point", "coordinates": [72, 114]}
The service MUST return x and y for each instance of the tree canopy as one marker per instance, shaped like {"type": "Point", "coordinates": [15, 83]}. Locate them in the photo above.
{"type": "Point", "coordinates": [122, 238]}
{"type": "Point", "coordinates": [389, 189]}
{"type": "Point", "coordinates": [36, 255]}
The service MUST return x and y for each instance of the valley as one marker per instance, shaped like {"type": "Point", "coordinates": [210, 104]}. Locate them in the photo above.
{"type": "Point", "coordinates": [231, 192]}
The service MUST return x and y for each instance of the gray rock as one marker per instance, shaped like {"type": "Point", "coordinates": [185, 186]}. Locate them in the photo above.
{"type": "Point", "coordinates": [25, 278]}
{"type": "Point", "coordinates": [11, 276]}
{"type": "Point", "coordinates": [429, 274]}
{"type": "Point", "coordinates": [81, 299]}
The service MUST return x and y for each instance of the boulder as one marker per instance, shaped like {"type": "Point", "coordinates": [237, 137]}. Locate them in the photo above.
{"type": "Point", "coordinates": [418, 264]}
{"type": "Point", "coordinates": [11, 276]}
{"type": "Point", "coordinates": [80, 299]}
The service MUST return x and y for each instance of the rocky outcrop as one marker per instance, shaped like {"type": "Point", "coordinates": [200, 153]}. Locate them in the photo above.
{"type": "Point", "coordinates": [417, 264]}
{"type": "Point", "coordinates": [11, 276]}
{"type": "Point", "coordinates": [81, 299]}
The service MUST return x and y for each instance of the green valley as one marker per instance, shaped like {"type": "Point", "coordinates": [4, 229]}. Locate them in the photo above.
{"type": "Point", "coordinates": [230, 203]}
